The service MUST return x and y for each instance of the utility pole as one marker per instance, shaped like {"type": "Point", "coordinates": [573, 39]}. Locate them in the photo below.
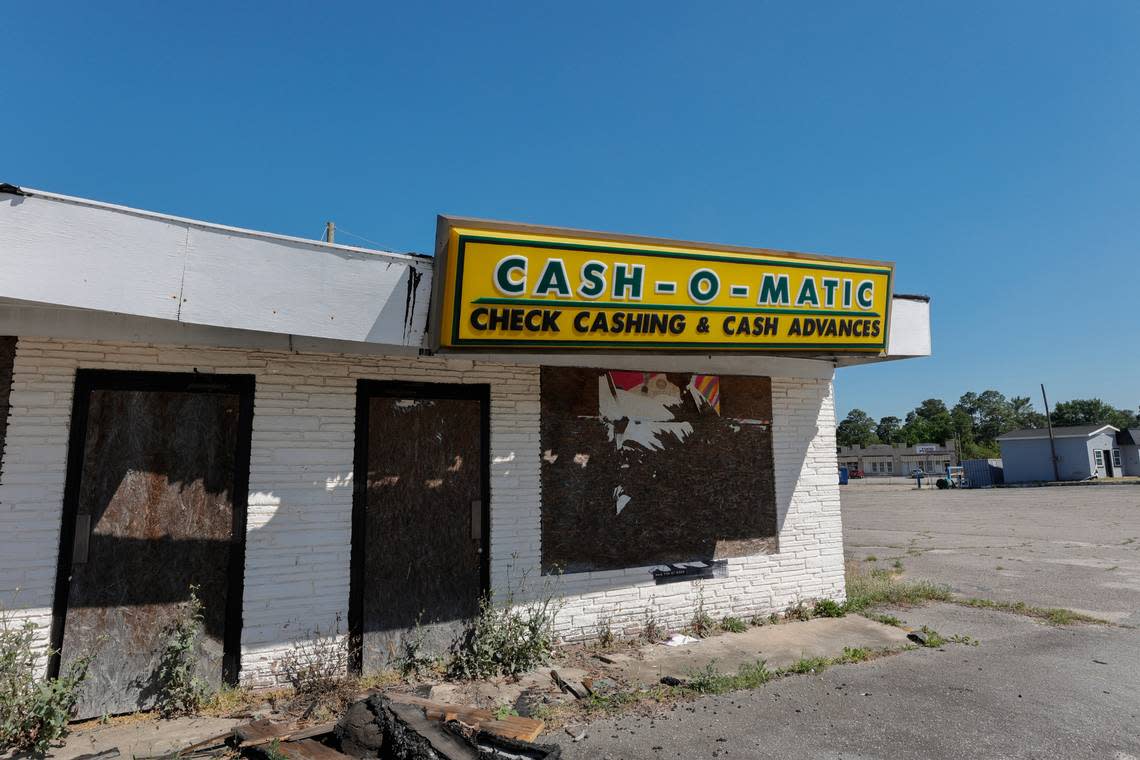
{"type": "Point", "coordinates": [330, 232]}
{"type": "Point", "coordinates": [1052, 443]}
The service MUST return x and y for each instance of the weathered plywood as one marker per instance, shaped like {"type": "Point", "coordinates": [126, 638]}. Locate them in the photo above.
{"type": "Point", "coordinates": [643, 468]}
{"type": "Point", "coordinates": [421, 563]}
{"type": "Point", "coordinates": [156, 508]}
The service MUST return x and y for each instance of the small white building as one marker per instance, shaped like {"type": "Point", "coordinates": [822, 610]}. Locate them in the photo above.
{"type": "Point", "coordinates": [318, 443]}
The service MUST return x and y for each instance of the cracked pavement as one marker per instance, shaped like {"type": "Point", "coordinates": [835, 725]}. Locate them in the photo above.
{"type": "Point", "coordinates": [1026, 690]}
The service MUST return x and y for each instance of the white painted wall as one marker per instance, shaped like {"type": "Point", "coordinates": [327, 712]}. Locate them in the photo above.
{"type": "Point", "coordinates": [77, 253]}
{"type": "Point", "coordinates": [300, 502]}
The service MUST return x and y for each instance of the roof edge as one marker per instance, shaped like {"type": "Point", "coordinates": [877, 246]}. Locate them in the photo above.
{"type": "Point", "coordinates": [198, 223]}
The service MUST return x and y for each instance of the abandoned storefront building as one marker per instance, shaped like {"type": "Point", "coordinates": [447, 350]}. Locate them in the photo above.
{"type": "Point", "coordinates": [317, 435]}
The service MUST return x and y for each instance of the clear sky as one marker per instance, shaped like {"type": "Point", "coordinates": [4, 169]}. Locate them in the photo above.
{"type": "Point", "coordinates": [992, 150]}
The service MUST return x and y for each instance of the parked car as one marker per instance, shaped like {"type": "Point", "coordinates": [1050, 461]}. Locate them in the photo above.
{"type": "Point", "coordinates": [855, 473]}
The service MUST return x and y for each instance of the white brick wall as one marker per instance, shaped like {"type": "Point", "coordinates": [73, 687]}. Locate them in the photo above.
{"type": "Point", "coordinates": [300, 500]}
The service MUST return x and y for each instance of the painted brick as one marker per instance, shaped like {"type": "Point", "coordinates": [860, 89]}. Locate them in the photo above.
{"type": "Point", "coordinates": [300, 500]}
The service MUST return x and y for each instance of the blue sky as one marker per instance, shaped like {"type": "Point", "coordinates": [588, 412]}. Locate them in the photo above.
{"type": "Point", "coordinates": [992, 150]}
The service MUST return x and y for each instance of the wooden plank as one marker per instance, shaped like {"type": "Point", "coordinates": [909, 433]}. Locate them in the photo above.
{"type": "Point", "coordinates": [263, 731]}
{"type": "Point", "coordinates": [432, 731]}
{"type": "Point", "coordinates": [512, 727]}
{"type": "Point", "coordinates": [309, 749]}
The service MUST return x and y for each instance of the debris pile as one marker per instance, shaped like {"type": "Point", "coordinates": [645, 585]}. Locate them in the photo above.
{"type": "Point", "coordinates": [383, 726]}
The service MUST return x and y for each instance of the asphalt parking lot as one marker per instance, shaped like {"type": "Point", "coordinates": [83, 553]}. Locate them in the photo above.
{"type": "Point", "coordinates": [1027, 689]}
{"type": "Point", "coordinates": [1067, 546]}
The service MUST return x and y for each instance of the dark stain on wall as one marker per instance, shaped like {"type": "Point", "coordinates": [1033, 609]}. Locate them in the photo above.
{"type": "Point", "coordinates": [7, 361]}
{"type": "Point", "coordinates": [644, 468]}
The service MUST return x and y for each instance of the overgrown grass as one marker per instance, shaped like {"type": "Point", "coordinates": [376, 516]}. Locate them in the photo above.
{"type": "Point", "coordinates": [1054, 615]}
{"type": "Point", "coordinates": [877, 586]}
{"type": "Point", "coordinates": [884, 619]}
{"type": "Point", "coordinates": [708, 680]}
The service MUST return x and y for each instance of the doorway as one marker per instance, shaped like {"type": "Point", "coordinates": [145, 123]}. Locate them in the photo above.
{"type": "Point", "coordinates": [154, 506]}
{"type": "Point", "coordinates": [421, 527]}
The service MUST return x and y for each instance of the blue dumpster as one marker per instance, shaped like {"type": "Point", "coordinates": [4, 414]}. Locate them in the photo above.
{"type": "Point", "coordinates": [842, 476]}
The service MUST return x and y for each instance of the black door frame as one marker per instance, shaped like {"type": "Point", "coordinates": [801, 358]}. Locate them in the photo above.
{"type": "Point", "coordinates": [367, 390]}
{"type": "Point", "coordinates": [88, 380]}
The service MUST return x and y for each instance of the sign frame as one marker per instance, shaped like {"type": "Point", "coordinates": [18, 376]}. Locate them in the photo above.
{"type": "Point", "coordinates": [742, 254]}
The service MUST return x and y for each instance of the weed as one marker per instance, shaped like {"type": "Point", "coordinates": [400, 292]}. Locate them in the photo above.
{"type": "Point", "coordinates": [33, 714]}
{"type": "Point", "coordinates": [828, 608]}
{"type": "Point", "coordinates": [732, 624]}
{"type": "Point", "coordinates": [809, 665]}
{"type": "Point", "coordinates": [798, 611]}
{"type": "Point", "coordinates": [932, 639]}
{"type": "Point", "coordinates": [413, 662]}
{"type": "Point", "coordinates": [606, 636]}
{"type": "Point", "coordinates": [273, 751]}
{"type": "Point", "coordinates": [998, 567]}
{"type": "Point", "coordinates": [757, 620]}
{"type": "Point", "coordinates": [1114, 567]}
{"type": "Point", "coordinates": [708, 680]}
{"type": "Point", "coordinates": [1054, 615]}
{"type": "Point", "coordinates": [506, 638]}
{"type": "Point", "coordinates": [960, 638]}
{"type": "Point", "coordinates": [317, 668]}
{"type": "Point", "coordinates": [180, 691]}
{"type": "Point", "coordinates": [504, 711]}
{"type": "Point", "coordinates": [884, 619]}
{"type": "Point", "coordinates": [226, 700]}
{"type": "Point", "coordinates": [897, 565]}
{"type": "Point", "coordinates": [385, 679]}
{"type": "Point", "coordinates": [854, 654]}
{"type": "Point", "coordinates": [1128, 541]}
{"type": "Point", "coordinates": [653, 632]}
{"type": "Point", "coordinates": [870, 558]}
{"type": "Point", "coordinates": [773, 618]}
{"type": "Point", "coordinates": [702, 624]}
{"type": "Point", "coordinates": [881, 587]}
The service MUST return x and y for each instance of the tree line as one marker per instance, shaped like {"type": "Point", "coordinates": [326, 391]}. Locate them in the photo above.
{"type": "Point", "coordinates": [975, 422]}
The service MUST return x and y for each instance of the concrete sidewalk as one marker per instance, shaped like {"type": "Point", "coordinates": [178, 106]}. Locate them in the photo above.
{"type": "Point", "coordinates": [778, 645]}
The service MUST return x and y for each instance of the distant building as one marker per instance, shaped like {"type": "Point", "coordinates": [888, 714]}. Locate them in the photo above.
{"type": "Point", "coordinates": [898, 459]}
{"type": "Point", "coordinates": [1083, 451]}
{"type": "Point", "coordinates": [1129, 443]}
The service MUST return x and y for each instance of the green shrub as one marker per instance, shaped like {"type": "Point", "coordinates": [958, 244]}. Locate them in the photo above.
{"type": "Point", "coordinates": [828, 608]}
{"type": "Point", "coordinates": [506, 638]}
{"type": "Point", "coordinates": [732, 624]}
{"type": "Point", "coordinates": [180, 691]}
{"type": "Point", "coordinates": [33, 712]}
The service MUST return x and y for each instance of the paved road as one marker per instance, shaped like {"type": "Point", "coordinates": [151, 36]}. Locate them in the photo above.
{"type": "Point", "coordinates": [1027, 690]}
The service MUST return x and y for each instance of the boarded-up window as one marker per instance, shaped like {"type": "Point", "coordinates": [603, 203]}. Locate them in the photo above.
{"type": "Point", "coordinates": [652, 468]}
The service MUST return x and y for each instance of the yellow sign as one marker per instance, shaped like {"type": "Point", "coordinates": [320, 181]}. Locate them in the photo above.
{"type": "Point", "coordinates": [507, 286]}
